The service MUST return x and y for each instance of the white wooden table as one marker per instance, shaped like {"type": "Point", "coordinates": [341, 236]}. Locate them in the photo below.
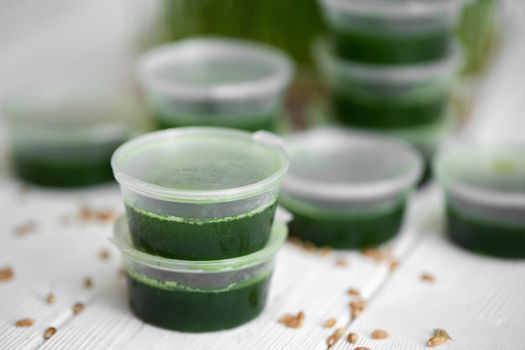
{"type": "Point", "coordinates": [478, 300]}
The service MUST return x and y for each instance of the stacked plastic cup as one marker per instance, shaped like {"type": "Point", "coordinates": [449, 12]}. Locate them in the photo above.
{"type": "Point", "coordinates": [207, 81]}
{"type": "Point", "coordinates": [391, 64]}
{"type": "Point", "coordinates": [199, 237]}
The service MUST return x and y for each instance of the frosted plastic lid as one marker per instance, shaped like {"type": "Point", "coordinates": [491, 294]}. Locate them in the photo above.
{"type": "Point", "coordinates": [484, 174]}
{"type": "Point", "coordinates": [336, 68]}
{"type": "Point", "coordinates": [200, 164]}
{"type": "Point", "coordinates": [395, 8]}
{"type": "Point", "coordinates": [336, 164]}
{"type": "Point", "coordinates": [122, 239]}
{"type": "Point", "coordinates": [215, 68]}
{"type": "Point", "coordinates": [72, 111]}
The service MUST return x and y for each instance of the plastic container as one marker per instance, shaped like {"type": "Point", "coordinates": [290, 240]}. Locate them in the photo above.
{"type": "Point", "coordinates": [215, 82]}
{"type": "Point", "coordinates": [485, 197]}
{"type": "Point", "coordinates": [64, 135]}
{"type": "Point", "coordinates": [392, 32]}
{"type": "Point", "coordinates": [348, 189]}
{"type": "Point", "coordinates": [426, 140]}
{"type": "Point", "coordinates": [197, 296]}
{"type": "Point", "coordinates": [387, 97]}
{"type": "Point", "coordinates": [200, 193]}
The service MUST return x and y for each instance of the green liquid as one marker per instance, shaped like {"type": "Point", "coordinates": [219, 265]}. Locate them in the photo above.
{"type": "Point", "coordinates": [198, 310]}
{"type": "Point", "coordinates": [352, 232]}
{"type": "Point", "coordinates": [391, 48]}
{"type": "Point", "coordinates": [485, 236]}
{"type": "Point", "coordinates": [200, 239]}
{"type": "Point", "coordinates": [62, 171]}
{"type": "Point", "coordinates": [249, 123]}
{"type": "Point", "coordinates": [387, 113]}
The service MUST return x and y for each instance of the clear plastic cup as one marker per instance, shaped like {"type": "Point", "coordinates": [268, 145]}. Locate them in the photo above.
{"type": "Point", "coordinates": [207, 81]}
{"type": "Point", "coordinates": [392, 32]}
{"type": "Point", "coordinates": [200, 193]}
{"type": "Point", "coordinates": [64, 135]}
{"type": "Point", "coordinates": [387, 97]}
{"type": "Point", "coordinates": [485, 197]}
{"type": "Point", "coordinates": [197, 296]}
{"type": "Point", "coordinates": [348, 189]}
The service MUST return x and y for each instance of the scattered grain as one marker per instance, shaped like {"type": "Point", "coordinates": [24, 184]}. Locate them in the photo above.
{"type": "Point", "coordinates": [440, 337]}
{"type": "Point", "coordinates": [378, 255]}
{"type": "Point", "coordinates": [394, 264]}
{"type": "Point", "coordinates": [78, 308]}
{"type": "Point", "coordinates": [88, 283]}
{"type": "Point", "coordinates": [25, 322]}
{"type": "Point", "coordinates": [352, 338]}
{"type": "Point", "coordinates": [361, 348]}
{"type": "Point", "coordinates": [357, 307]}
{"type": "Point", "coordinates": [379, 334]}
{"type": "Point", "coordinates": [329, 323]}
{"type": "Point", "coordinates": [105, 216]}
{"type": "Point", "coordinates": [85, 213]}
{"type": "Point", "coordinates": [104, 254]}
{"type": "Point", "coordinates": [426, 277]}
{"type": "Point", "coordinates": [292, 321]}
{"type": "Point", "coordinates": [50, 299]}
{"type": "Point", "coordinates": [6, 274]}
{"type": "Point", "coordinates": [49, 333]}
{"type": "Point", "coordinates": [335, 336]}
{"type": "Point", "coordinates": [354, 292]}
{"type": "Point", "coordinates": [25, 229]}
{"type": "Point", "coordinates": [341, 262]}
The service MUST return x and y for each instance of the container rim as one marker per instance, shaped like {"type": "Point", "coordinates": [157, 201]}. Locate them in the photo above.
{"type": "Point", "coordinates": [294, 185]}
{"type": "Point", "coordinates": [199, 48]}
{"type": "Point", "coordinates": [121, 238]}
{"type": "Point", "coordinates": [408, 9]}
{"type": "Point", "coordinates": [479, 194]}
{"type": "Point", "coordinates": [263, 138]}
{"type": "Point", "coordinates": [101, 130]}
{"type": "Point", "coordinates": [334, 67]}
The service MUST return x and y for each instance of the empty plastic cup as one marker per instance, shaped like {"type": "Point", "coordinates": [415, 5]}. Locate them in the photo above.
{"type": "Point", "coordinates": [197, 296]}
{"type": "Point", "coordinates": [200, 193]}
{"type": "Point", "coordinates": [392, 32]}
{"type": "Point", "coordinates": [485, 197]}
{"type": "Point", "coordinates": [215, 82]}
{"type": "Point", "coordinates": [348, 189]}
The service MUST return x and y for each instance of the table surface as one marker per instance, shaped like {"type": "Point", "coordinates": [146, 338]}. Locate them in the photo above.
{"type": "Point", "coordinates": [51, 248]}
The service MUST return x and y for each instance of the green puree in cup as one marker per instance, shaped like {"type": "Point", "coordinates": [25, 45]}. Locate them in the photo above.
{"type": "Point", "coordinates": [387, 47]}
{"type": "Point", "coordinates": [371, 228]}
{"type": "Point", "coordinates": [249, 122]}
{"type": "Point", "coordinates": [200, 239]}
{"type": "Point", "coordinates": [65, 166]}
{"type": "Point", "coordinates": [485, 198]}
{"type": "Point", "coordinates": [486, 236]}
{"type": "Point", "coordinates": [380, 109]}
{"type": "Point", "coordinates": [197, 310]}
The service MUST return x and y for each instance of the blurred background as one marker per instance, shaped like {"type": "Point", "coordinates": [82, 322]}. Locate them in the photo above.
{"type": "Point", "coordinates": [100, 41]}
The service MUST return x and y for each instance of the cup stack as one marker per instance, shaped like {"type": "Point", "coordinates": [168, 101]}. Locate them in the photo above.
{"type": "Point", "coordinates": [391, 66]}
{"type": "Point", "coordinates": [199, 237]}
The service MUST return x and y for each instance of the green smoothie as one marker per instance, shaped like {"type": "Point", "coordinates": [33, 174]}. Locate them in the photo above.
{"type": "Point", "coordinates": [380, 109]}
{"type": "Point", "coordinates": [200, 239]}
{"type": "Point", "coordinates": [388, 47]}
{"type": "Point", "coordinates": [351, 231]}
{"type": "Point", "coordinates": [485, 236]}
{"type": "Point", "coordinates": [264, 121]}
{"type": "Point", "coordinates": [65, 166]}
{"type": "Point", "coordinates": [197, 310]}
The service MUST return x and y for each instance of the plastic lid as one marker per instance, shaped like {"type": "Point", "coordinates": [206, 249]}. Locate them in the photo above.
{"type": "Point", "coordinates": [215, 68]}
{"type": "Point", "coordinates": [72, 111]}
{"type": "Point", "coordinates": [201, 164]}
{"type": "Point", "coordinates": [395, 8]}
{"type": "Point", "coordinates": [122, 239]}
{"type": "Point", "coordinates": [493, 175]}
{"type": "Point", "coordinates": [335, 67]}
{"type": "Point", "coordinates": [336, 164]}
